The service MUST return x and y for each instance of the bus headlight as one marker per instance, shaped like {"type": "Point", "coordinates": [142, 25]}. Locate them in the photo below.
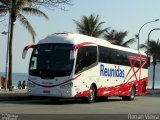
{"type": "Point", "coordinates": [67, 86]}
{"type": "Point", "coordinates": [30, 84]}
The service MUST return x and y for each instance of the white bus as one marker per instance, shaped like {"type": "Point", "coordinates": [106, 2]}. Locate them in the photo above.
{"type": "Point", "coordinates": [66, 65]}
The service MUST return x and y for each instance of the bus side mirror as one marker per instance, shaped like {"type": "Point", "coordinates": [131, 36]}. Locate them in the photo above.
{"type": "Point", "coordinates": [148, 62]}
{"type": "Point", "coordinates": [26, 49]}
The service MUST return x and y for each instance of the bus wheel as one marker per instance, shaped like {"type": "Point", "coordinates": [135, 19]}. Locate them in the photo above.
{"type": "Point", "coordinates": [91, 94]}
{"type": "Point", "coordinates": [131, 96]}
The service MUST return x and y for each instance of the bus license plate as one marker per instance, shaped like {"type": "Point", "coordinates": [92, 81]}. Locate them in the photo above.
{"type": "Point", "coordinates": [46, 91]}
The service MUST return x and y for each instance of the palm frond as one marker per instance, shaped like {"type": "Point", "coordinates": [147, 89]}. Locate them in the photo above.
{"type": "Point", "coordinates": [22, 3]}
{"type": "Point", "coordinates": [27, 25]}
{"type": "Point", "coordinates": [90, 26]}
{"type": "Point", "coordinates": [113, 41]}
{"type": "Point", "coordinates": [34, 11]}
{"type": "Point", "coordinates": [3, 9]}
{"type": "Point", "coordinates": [97, 30]}
{"type": "Point", "coordinates": [4, 2]}
{"type": "Point", "coordinates": [80, 27]}
{"type": "Point", "coordinates": [2, 6]}
{"type": "Point", "coordinates": [87, 25]}
{"type": "Point", "coordinates": [117, 38]}
{"type": "Point", "coordinates": [128, 42]}
{"type": "Point", "coordinates": [153, 48]}
{"type": "Point", "coordinates": [143, 46]}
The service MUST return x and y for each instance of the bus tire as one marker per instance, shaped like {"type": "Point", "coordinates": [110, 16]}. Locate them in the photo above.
{"type": "Point", "coordinates": [91, 95]}
{"type": "Point", "coordinates": [131, 96]}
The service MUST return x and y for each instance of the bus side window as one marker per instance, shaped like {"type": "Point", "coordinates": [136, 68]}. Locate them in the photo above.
{"type": "Point", "coordinates": [79, 60]}
{"type": "Point", "coordinates": [105, 55]}
{"type": "Point", "coordinates": [86, 56]}
{"type": "Point", "coordinates": [33, 63]}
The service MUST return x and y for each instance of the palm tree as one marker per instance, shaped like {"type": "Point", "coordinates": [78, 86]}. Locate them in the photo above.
{"type": "Point", "coordinates": [15, 9]}
{"type": "Point", "coordinates": [90, 26]}
{"type": "Point", "coordinates": [154, 52]}
{"type": "Point", "coordinates": [117, 38]}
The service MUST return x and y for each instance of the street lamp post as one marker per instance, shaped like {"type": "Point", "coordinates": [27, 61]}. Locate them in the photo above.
{"type": "Point", "coordinates": [142, 27]}
{"type": "Point", "coordinates": [148, 52]}
{"type": "Point", "coordinates": [149, 38]}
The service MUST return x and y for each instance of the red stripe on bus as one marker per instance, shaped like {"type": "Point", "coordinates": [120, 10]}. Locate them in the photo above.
{"type": "Point", "coordinates": [29, 46]}
{"type": "Point", "coordinates": [119, 90]}
{"type": "Point", "coordinates": [75, 47]}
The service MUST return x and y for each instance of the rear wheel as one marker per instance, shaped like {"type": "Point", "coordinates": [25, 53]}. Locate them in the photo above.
{"type": "Point", "coordinates": [131, 96]}
{"type": "Point", "coordinates": [91, 95]}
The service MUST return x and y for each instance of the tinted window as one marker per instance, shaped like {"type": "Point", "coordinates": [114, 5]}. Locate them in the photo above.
{"type": "Point", "coordinates": [113, 56]}
{"type": "Point", "coordinates": [51, 60]}
{"type": "Point", "coordinates": [105, 55]}
{"type": "Point", "coordinates": [86, 57]}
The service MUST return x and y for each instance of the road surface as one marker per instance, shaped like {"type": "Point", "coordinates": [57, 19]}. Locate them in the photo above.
{"type": "Point", "coordinates": [114, 105]}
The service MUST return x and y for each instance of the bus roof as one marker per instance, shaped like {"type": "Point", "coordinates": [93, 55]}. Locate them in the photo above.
{"type": "Point", "coordinates": [72, 38]}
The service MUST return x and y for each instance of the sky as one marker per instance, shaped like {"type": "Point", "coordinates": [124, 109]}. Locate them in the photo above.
{"type": "Point", "coordinates": [124, 15]}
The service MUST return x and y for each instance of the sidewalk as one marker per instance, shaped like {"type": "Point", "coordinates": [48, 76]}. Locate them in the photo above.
{"type": "Point", "coordinates": [16, 93]}
{"type": "Point", "coordinates": [155, 92]}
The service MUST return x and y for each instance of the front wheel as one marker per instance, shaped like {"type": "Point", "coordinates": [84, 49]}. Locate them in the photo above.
{"type": "Point", "coordinates": [91, 95]}
{"type": "Point", "coordinates": [131, 96]}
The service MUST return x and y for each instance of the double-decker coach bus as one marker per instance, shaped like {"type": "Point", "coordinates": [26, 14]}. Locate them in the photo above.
{"type": "Point", "coordinates": [66, 65]}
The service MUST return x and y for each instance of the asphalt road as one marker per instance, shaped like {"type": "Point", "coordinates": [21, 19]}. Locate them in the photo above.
{"type": "Point", "coordinates": [114, 105]}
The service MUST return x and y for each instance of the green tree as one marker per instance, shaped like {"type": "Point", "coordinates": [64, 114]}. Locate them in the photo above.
{"type": "Point", "coordinates": [50, 4]}
{"type": "Point", "coordinates": [118, 38]}
{"type": "Point", "coordinates": [90, 26]}
{"type": "Point", "coordinates": [15, 9]}
{"type": "Point", "coordinates": [154, 52]}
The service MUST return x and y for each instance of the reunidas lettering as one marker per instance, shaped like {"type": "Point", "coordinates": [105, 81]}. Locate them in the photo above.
{"type": "Point", "coordinates": [111, 72]}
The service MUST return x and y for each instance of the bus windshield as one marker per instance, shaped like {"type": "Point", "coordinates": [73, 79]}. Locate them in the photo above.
{"type": "Point", "coordinates": [51, 60]}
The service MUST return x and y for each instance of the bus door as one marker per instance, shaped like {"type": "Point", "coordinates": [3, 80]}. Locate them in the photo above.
{"type": "Point", "coordinates": [86, 61]}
